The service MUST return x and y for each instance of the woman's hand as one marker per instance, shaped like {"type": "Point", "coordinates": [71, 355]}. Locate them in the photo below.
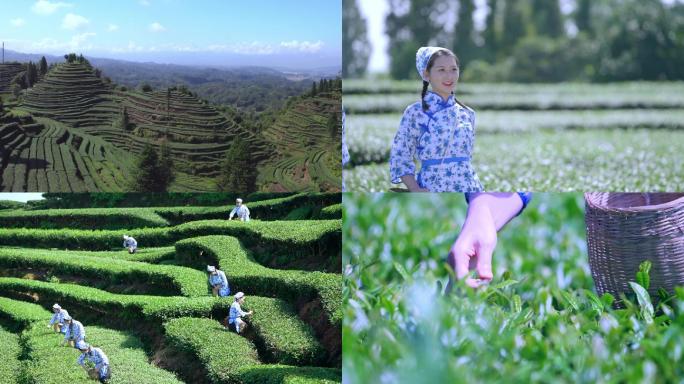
{"type": "Point", "coordinates": [472, 250]}
{"type": "Point", "coordinates": [474, 246]}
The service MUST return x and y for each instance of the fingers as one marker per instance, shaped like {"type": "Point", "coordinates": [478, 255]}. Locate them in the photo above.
{"type": "Point", "coordinates": [484, 260]}
{"type": "Point", "coordinates": [459, 260]}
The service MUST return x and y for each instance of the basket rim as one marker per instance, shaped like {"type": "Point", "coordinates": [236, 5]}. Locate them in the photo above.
{"type": "Point", "coordinates": [591, 200]}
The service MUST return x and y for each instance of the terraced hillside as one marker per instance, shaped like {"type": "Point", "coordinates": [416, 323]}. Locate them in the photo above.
{"type": "Point", "coordinates": [152, 312]}
{"type": "Point", "coordinates": [196, 134]}
{"type": "Point", "coordinates": [7, 73]}
{"type": "Point", "coordinates": [307, 151]}
{"type": "Point", "coordinates": [44, 155]}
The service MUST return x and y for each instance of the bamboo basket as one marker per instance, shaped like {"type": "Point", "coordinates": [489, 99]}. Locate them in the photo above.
{"type": "Point", "coordinates": [624, 229]}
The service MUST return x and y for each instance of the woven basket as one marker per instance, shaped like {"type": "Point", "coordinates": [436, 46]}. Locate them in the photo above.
{"type": "Point", "coordinates": [624, 229]}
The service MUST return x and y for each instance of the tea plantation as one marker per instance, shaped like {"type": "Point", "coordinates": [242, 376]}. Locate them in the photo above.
{"type": "Point", "coordinates": [539, 321]}
{"type": "Point", "coordinates": [541, 137]}
{"type": "Point", "coordinates": [152, 311]}
{"type": "Point", "coordinates": [75, 131]}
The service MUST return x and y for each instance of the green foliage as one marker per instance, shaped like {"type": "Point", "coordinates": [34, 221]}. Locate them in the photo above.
{"type": "Point", "coordinates": [154, 173]}
{"type": "Point", "coordinates": [224, 354]}
{"type": "Point", "coordinates": [42, 66]}
{"type": "Point", "coordinates": [245, 272]}
{"type": "Point", "coordinates": [146, 87]}
{"type": "Point", "coordinates": [90, 218]}
{"type": "Point", "coordinates": [331, 212]}
{"type": "Point", "coordinates": [539, 318]}
{"type": "Point", "coordinates": [19, 314]}
{"type": "Point", "coordinates": [48, 363]}
{"type": "Point", "coordinates": [10, 367]}
{"type": "Point", "coordinates": [163, 279]}
{"type": "Point", "coordinates": [355, 45]}
{"type": "Point", "coordinates": [239, 172]}
{"type": "Point", "coordinates": [230, 358]}
{"type": "Point", "coordinates": [11, 205]}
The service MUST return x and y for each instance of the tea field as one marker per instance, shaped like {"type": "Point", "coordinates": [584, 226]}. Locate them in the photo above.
{"type": "Point", "coordinates": [540, 320]}
{"type": "Point", "coordinates": [557, 137]}
{"type": "Point", "coordinates": [152, 312]}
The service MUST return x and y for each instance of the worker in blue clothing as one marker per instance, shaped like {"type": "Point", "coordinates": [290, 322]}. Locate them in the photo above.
{"type": "Point", "coordinates": [97, 357]}
{"type": "Point", "coordinates": [218, 282]}
{"type": "Point", "coordinates": [57, 320]}
{"type": "Point", "coordinates": [75, 331]}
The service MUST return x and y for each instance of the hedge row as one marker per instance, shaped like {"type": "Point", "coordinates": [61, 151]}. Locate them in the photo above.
{"type": "Point", "coordinates": [273, 209]}
{"type": "Point", "coordinates": [159, 279]}
{"type": "Point", "coordinates": [19, 314]}
{"type": "Point", "coordinates": [10, 367]}
{"type": "Point", "coordinates": [90, 218]}
{"type": "Point", "coordinates": [49, 363]}
{"type": "Point", "coordinates": [271, 316]}
{"type": "Point", "coordinates": [129, 218]}
{"type": "Point", "coordinates": [245, 274]}
{"type": "Point", "coordinates": [229, 358]}
{"type": "Point", "coordinates": [331, 212]}
{"type": "Point", "coordinates": [222, 353]}
{"type": "Point", "coordinates": [295, 237]}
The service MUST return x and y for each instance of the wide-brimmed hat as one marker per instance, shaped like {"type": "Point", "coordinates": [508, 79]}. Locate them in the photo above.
{"type": "Point", "coordinates": [239, 295]}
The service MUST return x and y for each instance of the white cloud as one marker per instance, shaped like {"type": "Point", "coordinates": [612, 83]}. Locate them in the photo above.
{"type": "Point", "coordinates": [112, 27]}
{"type": "Point", "coordinates": [18, 22]}
{"type": "Point", "coordinates": [156, 27]}
{"type": "Point", "coordinates": [77, 41]}
{"type": "Point", "coordinates": [45, 7]}
{"type": "Point", "coordinates": [72, 21]}
{"type": "Point", "coordinates": [144, 3]}
{"type": "Point", "coordinates": [254, 48]}
{"type": "Point", "coordinates": [302, 46]}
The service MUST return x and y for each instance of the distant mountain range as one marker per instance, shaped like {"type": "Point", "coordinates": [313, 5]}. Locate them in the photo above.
{"type": "Point", "coordinates": [249, 88]}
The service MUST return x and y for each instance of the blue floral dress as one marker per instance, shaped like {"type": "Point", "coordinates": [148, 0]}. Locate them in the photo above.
{"type": "Point", "coordinates": [442, 139]}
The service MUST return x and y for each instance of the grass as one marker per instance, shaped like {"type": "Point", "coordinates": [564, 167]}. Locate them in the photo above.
{"type": "Point", "coordinates": [539, 321]}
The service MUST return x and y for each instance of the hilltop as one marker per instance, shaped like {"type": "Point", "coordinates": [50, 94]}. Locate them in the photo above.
{"type": "Point", "coordinates": [87, 118]}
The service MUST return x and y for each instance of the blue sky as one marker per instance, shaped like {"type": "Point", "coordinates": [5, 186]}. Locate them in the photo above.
{"type": "Point", "coordinates": [172, 30]}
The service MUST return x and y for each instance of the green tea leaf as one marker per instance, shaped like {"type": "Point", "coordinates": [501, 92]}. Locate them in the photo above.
{"type": "Point", "coordinates": [517, 303]}
{"type": "Point", "coordinates": [570, 300]}
{"type": "Point", "coordinates": [504, 284]}
{"type": "Point", "coordinates": [642, 277]}
{"type": "Point", "coordinates": [644, 302]}
{"type": "Point", "coordinates": [402, 271]}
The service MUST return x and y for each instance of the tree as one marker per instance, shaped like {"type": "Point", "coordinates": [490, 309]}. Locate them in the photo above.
{"type": "Point", "coordinates": [123, 119]}
{"type": "Point", "coordinates": [313, 89]}
{"type": "Point", "coordinates": [355, 45]}
{"type": "Point", "coordinates": [333, 127]}
{"type": "Point", "coordinates": [154, 173]}
{"type": "Point", "coordinates": [583, 17]}
{"type": "Point", "coordinates": [492, 33]}
{"type": "Point", "coordinates": [146, 87]}
{"type": "Point", "coordinates": [165, 174]}
{"type": "Point", "coordinates": [464, 42]}
{"type": "Point", "coordinates": [513, 25]}
{"type": "Point", "coordinates": [547, 18]}
{"type": "Point", "coordinates": [43, 67]}
{"type": "Point", "coordinates": [239, 172]}
{"type": "Point", "coordinates": [31, 74]}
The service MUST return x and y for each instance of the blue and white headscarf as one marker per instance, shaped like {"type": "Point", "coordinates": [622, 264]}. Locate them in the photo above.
{"type": "Point", "coordinates": [423, 57]}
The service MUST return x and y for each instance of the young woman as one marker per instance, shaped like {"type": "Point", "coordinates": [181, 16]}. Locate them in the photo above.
{"type": "Point", "coordinates": [438, 130]}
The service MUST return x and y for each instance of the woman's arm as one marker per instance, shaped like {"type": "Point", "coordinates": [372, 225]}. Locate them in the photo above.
{"type": "Point", "coordinates": [473, 249]}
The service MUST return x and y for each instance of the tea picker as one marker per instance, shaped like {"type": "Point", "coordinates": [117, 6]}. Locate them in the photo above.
{"type": "Point", "coordinates": [97, 357]}
{"type": "Point", "coordinates": [57, 320]}
{"type": "Point", "coordinates": [218, 282]}
{"type": "Point", "coordinates": [241, 210]}
{"type": "Point", "coordinates": [130, 244]}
